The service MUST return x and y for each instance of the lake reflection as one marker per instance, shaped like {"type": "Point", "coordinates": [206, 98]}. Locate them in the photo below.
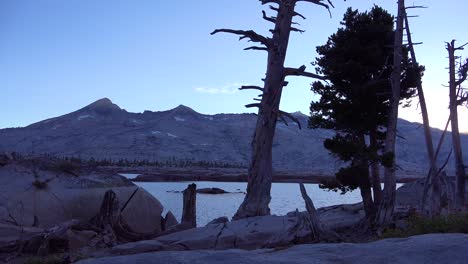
{"type": "Point", "coordinates": [285, 197]}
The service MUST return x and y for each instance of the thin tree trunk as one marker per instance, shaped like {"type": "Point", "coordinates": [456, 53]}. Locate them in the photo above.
{"type": "Point", "coordinates": [432, 193]}
{"type": "Point", "coordinates": [260, 171]}
{"type": "Point", "coordinates": [375, 172]}
{"type": "Point", "coordinates": [429, 205]}
{"type": "Point", "coordinates": [459, 167]}
{"type": "Point", "coordinates": [386, 208]}
{"type": "Point", "coordinates": [369, 206]}
{"type": "Point", "coordinates": [365, 184]}
{"type": "Point", "coordinates": [422, 100]}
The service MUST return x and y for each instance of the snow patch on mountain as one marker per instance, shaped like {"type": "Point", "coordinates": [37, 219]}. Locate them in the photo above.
{"type": "Point", "coordinates": [172, 135]}
{"type": "Point", "coordinates": [81, 117]}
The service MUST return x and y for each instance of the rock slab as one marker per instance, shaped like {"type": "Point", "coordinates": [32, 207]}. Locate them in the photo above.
{"type": "Point", "coordinates": [430, 248]}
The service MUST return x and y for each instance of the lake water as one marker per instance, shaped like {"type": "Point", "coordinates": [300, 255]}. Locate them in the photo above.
{"type": "Point", "coordinates": [285, 197]}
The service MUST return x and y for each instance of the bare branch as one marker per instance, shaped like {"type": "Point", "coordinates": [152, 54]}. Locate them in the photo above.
{"type": "Point", "coordinates": [256, 48]}
{"type": "Point", "coordinates": [251, 87]}
{"type": "Point", "coordinates": [461, 47]}
{"type": "Point", "coordinates": [411, 7]}
{"type": "Point", "coordinates": [299, 15]}
{"type": "Point", "coordinates": [301, 72]}
{"type": "Point", "coordinates": [274, 8]}
{"type": "Point", "coordinates": [281, 117]}
{"type": "Point", "coordinates": [414, 44]}
{"type": "Point", "coordinates": [270, 1]}
{"type": "Point", "coordinates": [320, 3]}
{"type": "Point", "coordinates": [267, 18]}
{"type": "Point", "coordinates": [293, 118]}
{"type": "Point", "coordinates": [252, 105]}
{"type": "Point", "coordinates": [250, 34]}
{"type": "Point", "coordinates": [297, 30]}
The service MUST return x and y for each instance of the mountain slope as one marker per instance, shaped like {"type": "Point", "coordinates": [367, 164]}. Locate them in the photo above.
{"type": "Point", "coordinates": [104, 130]}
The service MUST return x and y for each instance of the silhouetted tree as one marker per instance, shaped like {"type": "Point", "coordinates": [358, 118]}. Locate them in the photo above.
{"type": "Point", "coordinates": [357, 60]}
{"type": "Point", "coordinates": [260, 171]}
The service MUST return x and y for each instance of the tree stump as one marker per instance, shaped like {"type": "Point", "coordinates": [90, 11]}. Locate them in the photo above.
{"type": "Point", "coordinates": [189, 211]}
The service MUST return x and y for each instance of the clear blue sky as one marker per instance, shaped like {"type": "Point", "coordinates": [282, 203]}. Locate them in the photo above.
{"type": "Point", "coordinates": [59, 55]}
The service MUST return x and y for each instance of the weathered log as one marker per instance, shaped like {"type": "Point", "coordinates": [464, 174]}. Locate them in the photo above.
{"type": "Point", "coordinates": [189, 211]}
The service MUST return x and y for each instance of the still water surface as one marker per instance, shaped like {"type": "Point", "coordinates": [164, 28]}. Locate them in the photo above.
{"type": "Point", "coordinates": [285, 197]}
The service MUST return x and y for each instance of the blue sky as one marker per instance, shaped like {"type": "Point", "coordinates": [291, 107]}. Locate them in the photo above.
{"type": "Point", "coordinates": [60, 55]}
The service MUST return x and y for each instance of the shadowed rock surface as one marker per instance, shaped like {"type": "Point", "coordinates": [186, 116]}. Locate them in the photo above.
{"type": "Point", "coordinates": [431, 248]}
{"type": "Point", "coordinates": [39, 193]}
{"type": "Point", "coordinates": [104, 130]}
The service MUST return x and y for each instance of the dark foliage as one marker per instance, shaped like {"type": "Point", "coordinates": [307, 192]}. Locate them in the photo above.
{"type": "Point", "coordinates": [357, 60]}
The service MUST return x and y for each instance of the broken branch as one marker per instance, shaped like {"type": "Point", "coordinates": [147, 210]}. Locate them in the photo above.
{"type": "Point", "coordinates": [250, 34]}
{"type": "Point", "coordinates": [256, 48]}
{"type": "Point", "coordinates": [267, 18]}
{"type": "Point", "coordinates": [301, 72]}
{"type": "Point", "coordinates": [252, 105]}
{"type": "Point", "coordinates": [254, 87]}
{"type": "Point", "coordinates": [293, 118]}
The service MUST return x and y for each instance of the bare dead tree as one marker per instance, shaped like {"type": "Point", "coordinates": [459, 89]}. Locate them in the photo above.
{"type": "Point", "coordinates": [260, 171]}
{"type": "Point", "coordinates": [386, 208]}
{"type": "Point", "coordinates": [429, 205]}
{"type": "Point", "coordinates": [455, 83]}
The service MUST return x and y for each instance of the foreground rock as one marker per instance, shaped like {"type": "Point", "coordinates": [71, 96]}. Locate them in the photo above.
{"type": "Point", "coordinates": [47, 193]}
{"type": "Point", "coordinates": [431, 248]}
{"type": "Point", "coordinates": [251, 233]}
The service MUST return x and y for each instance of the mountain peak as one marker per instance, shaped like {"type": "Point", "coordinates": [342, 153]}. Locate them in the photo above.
{"type": "Point", "coordinates": [102, 105]}
{"type": "Point", "coordinates": [182, 109]}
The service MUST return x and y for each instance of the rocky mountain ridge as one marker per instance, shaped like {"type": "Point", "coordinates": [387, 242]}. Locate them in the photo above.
{"type": "Point", "coordinates": [104, 130]}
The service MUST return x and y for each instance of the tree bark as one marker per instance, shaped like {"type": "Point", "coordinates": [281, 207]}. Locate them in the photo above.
{"type": "Point", "coordinates": [375, 172]}
{"type": "Point", "coordinates": [386, 208]}
{"type": "Point", "coordinates": [260, 171]}
{"type": "Point", "coordinates": [459, 167]}
{"type": "Point", "coordinates": [189, 211]}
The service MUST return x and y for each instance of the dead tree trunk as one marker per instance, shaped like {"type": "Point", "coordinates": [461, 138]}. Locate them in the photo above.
{"type": "Point", "coordinates": [260, 172]}
{"type": "Point", "coordinates": [189, 211]}
{"type": "Point", "coordinates": [315, 224]}
{"type": "Point", "coordinates": [432, 188]}
{"type": "Point", "coordinates": [459, 167]}
{"type": "Point", "coordinates": [422, 100]}
{"type": "Point", "coordinates": [386, 208]}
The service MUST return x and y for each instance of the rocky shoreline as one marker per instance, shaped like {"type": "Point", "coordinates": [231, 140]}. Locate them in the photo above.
{"type": "Point", "coordinates": [153, 174]}
{"type": "Point", "coordinates": [52, 210]}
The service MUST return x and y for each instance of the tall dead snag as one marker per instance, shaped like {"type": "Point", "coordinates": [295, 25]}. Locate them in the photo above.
{"type": "Point", "coordinates": [430, 202]}
{"type": "Point", "coordinates": [189, 211]}
{"type": "Point", "coordinates": [260, 171]}
{"type": "Point", "coordinates": [455, 83]}
{"type": "Point", "coordinates": [386, 208]}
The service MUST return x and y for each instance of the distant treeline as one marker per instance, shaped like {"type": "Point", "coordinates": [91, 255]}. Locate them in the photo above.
{"type": "Point", "coordinates": [124, 162]}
